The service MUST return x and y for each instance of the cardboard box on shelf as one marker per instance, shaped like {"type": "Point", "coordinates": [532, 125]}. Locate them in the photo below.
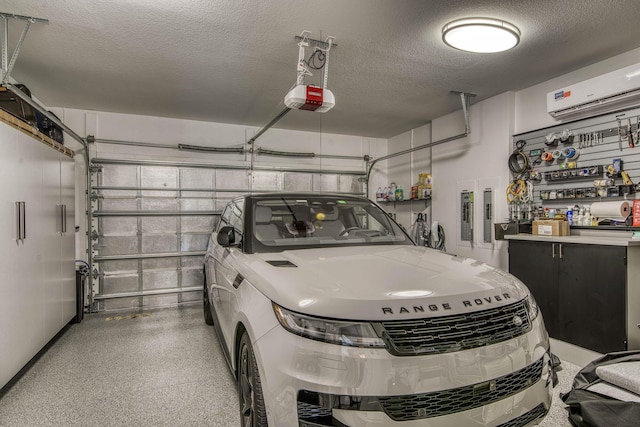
{"type": "Point", "coordinates": [551, 227]}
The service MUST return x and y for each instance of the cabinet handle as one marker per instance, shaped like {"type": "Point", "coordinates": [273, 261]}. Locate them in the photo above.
{"type": "Point", "coordinates": [62, 212]}
{"type": "Point", "coordinates": [560, 250]}
{"type": "Point", "coordinates": [24, 220]}
{"type": "Point", "coordinates": [553, 250]}
{"type": "Point", "coordinates": [59, 218]}
{"type": "Point", "coordinates": [18, 221]}
{"type": "Point", "coordinates": [21, 223]}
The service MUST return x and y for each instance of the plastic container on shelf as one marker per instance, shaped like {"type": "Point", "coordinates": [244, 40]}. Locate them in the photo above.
{"type": "Point", "coordinates": [392, 192]}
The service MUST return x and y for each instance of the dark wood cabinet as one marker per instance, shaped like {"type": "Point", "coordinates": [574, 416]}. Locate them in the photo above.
{"type": "Point", "coordinates": [580, 288]}
{"type": "Point", "coordinates": [534, 264]}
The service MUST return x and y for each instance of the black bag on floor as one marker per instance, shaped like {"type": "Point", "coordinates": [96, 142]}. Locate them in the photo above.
{"type": "Point", "coordinates": [590, 409]}
{"type": "Point", "coordinates": [15, 106]}
{"type": "Point", "coordinates": [49, 128]}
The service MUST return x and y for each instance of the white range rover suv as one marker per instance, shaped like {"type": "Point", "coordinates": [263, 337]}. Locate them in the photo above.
{"type": "Point", "coordinates": [329, 315]}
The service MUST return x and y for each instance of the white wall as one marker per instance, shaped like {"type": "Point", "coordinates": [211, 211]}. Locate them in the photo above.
{"type": "Point", "coordinates": [170, 132]}
{"type": "Point", "coordinates": [473, 164]}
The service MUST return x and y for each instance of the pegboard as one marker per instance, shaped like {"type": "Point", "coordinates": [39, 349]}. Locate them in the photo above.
{"type": "Point", "coordinates": [598, 142]}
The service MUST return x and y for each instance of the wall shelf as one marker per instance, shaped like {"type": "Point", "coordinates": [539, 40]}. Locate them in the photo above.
{"type": "Point", "coordinates": [404, 202]}
{"type": "Point", "coordinates": [34, 133]}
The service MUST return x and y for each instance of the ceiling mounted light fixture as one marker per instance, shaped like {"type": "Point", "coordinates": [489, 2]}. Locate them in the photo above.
{"type": "Point", "coordinates": [481, 35]}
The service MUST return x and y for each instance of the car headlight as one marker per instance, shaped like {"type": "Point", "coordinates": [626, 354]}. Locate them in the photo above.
{"type": "Point", "coordinates": [354, 334]}
{"type": "Point", "coordinates": [532, 307]}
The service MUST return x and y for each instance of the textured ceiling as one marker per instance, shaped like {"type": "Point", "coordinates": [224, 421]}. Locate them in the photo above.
{"type": "Point", "coordinates": [233, 61]}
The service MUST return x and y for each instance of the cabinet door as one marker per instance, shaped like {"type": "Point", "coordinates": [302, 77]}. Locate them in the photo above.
{"type": "Point", "coordinates": [592, 302]}
{"type": "Point", "coordinates": [50, 243]}
{"type": "Point", "coordinates": [534, 264]}
{"type": "Point", "coordinates": [31, 290]}
{"type": "Point", "coordinates": [68, 238]}
{"type": "Point", "coordinates": [9, 361]}
{"type": "Point", "coordinates": [25, 304]}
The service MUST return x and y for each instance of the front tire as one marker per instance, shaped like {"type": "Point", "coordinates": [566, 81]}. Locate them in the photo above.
{"type": "Point", "coordinates": [206, 305]}
{"type": "Point", "coordinates": [252, 410]}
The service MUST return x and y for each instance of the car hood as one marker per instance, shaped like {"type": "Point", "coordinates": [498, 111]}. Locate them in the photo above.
{"type": "Point", "coordinates": [379, 282]}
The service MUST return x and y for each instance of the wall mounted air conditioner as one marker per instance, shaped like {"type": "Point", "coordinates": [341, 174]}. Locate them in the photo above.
{"type": "Point", "coordinates": [617, 89]}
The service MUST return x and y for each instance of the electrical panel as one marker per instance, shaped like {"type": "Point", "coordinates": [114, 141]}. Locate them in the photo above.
{"type": "Point", "coordinates": [466, 220]}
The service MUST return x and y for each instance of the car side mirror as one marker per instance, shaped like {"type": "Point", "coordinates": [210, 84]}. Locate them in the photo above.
{"type": "Point", "coordinates": [226, 236]}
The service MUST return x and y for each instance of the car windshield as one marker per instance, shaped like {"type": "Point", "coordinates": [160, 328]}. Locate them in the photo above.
{"type": "Point", "coordinates": [317, 221]}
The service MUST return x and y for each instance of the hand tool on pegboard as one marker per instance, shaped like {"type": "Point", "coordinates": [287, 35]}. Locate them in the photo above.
{"type": "Point", "coordinates": [619, 134]}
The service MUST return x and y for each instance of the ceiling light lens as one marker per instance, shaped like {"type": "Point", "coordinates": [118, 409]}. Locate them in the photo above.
{"type": "Point", "coordinates": [481, 35]}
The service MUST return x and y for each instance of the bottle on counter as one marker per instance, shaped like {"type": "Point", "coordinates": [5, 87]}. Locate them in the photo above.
{"type": "Point", "coordinates": [570, 215]}
{"type": "Point", "coordinates": [587, 215]}
{"type": "Point", "coordinates": [399, 193]}
{"type": "Point", "coordinates": [580, 219]}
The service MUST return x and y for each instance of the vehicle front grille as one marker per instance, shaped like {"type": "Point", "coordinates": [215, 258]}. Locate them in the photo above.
{"type": "Point", "coordinates": [419, 406]}
{"type": "Point", "coordinates": [523, 420]}
{"type": "Point", "coordinates": [445, 334]}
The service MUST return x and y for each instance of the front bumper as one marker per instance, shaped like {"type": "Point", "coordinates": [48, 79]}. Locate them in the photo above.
{"type": "Point", "coordinates": [309, 383]}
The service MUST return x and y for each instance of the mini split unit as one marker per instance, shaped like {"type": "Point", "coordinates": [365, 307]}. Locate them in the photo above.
{"type": "Point", "coordinates": [614, 90]}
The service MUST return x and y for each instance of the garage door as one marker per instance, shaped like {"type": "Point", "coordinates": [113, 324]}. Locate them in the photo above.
{"type": "Point", "coordinates": [152, 221]}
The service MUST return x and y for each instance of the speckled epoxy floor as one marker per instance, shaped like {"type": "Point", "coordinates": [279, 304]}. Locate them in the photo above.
{"type": "Point", "coordinates": [160, 367]}
{"type": "Point", "coordinates": [557, 416]}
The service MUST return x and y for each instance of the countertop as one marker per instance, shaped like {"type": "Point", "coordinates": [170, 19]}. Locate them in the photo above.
{"type": "Point", "coordinates": [585, 237]}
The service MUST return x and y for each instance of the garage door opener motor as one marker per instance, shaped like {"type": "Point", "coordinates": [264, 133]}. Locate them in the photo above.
{"type": "Point", "coordinates": [311, 97]}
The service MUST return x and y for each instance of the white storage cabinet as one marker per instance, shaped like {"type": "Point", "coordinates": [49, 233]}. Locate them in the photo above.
{"type": "Point", "coordinates": [37, 270]}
